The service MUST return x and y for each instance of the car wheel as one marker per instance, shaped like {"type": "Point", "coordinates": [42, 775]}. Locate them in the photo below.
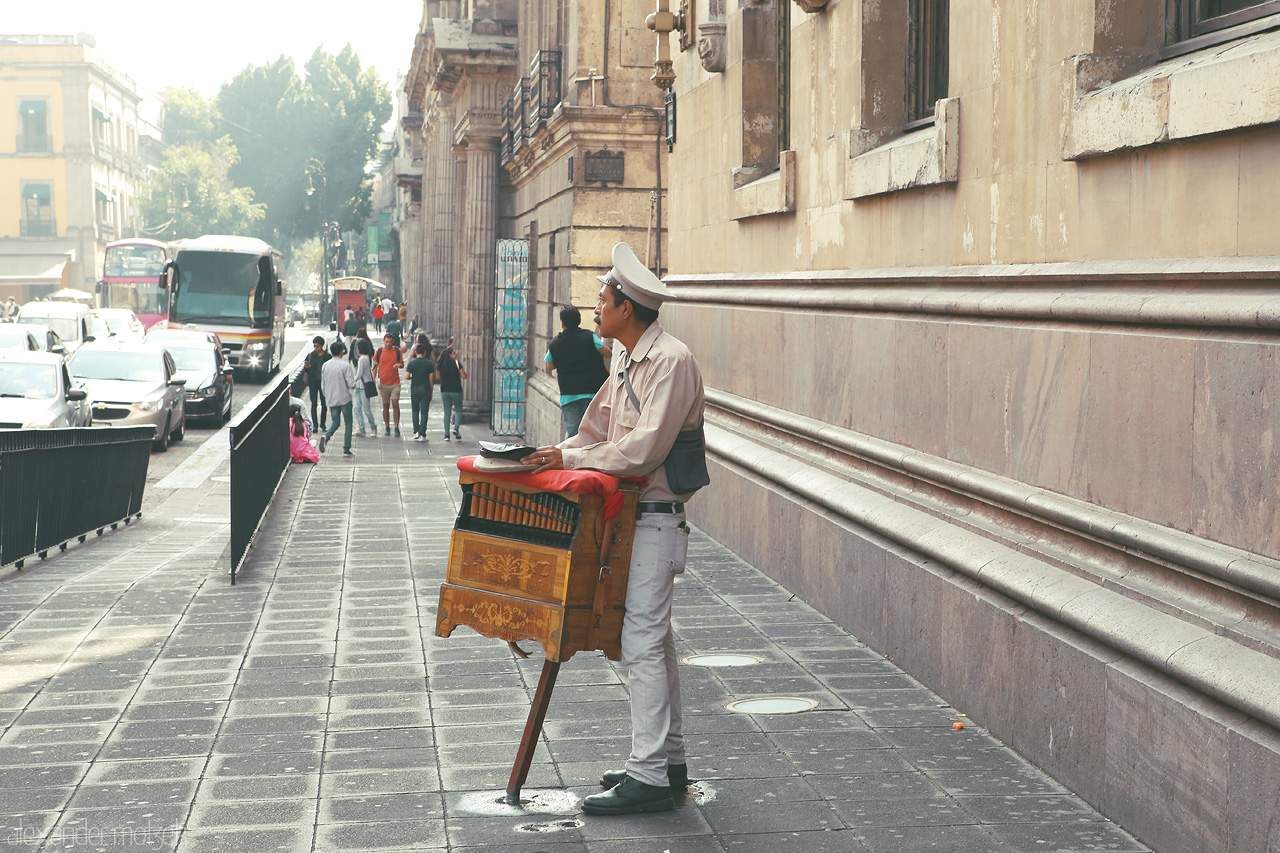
{"type": "Point", "coordinates": [162, 439]}
{"type": "Point", "coordinates": [181, 431]}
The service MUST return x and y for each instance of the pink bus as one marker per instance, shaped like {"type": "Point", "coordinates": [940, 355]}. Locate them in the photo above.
{"type": "Point", "coordinates": [131, 278]}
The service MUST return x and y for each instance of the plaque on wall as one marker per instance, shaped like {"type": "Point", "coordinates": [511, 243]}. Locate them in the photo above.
{"type": "Point", "coordinates": [606, 167]}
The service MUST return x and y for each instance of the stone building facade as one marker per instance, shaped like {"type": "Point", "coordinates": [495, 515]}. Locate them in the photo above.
{"type": "Point", "coordinates": [985, 298]}
{"type": "Point", "coordinates": [77, 140]}
{"type": "Point", "coordinates": [533, 125]}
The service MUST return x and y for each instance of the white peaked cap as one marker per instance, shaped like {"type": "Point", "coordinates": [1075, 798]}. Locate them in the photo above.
{"type": "Point", "coordinates": [635, 280]}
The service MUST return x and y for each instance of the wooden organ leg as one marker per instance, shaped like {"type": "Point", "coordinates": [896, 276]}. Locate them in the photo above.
{"type": "Point", "coordinates": [532, 730]}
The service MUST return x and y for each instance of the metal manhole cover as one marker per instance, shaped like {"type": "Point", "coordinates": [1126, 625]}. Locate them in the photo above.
{"type": "Point", "coordinates": [722, 660]}
{"type": "Point", "coordinates": [773, 705]}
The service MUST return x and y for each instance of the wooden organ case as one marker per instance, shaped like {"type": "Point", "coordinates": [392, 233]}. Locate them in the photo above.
{"type": "Point", "coordinates": [526, 564]}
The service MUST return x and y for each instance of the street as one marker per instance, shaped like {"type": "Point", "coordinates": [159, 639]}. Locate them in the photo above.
{"type": "Point", "coordinates": [201, 431]}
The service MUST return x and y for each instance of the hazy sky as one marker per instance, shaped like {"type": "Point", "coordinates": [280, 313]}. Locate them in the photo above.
{"type": "Point", "coordinates": [201, 45]}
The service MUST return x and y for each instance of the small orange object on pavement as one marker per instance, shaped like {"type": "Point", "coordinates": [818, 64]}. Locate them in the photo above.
{"type": "Point", "coordinates": [957, 725]}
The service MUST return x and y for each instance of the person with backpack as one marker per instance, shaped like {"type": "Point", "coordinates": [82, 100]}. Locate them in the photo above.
{"type": "Point", "coordinates": [388, 362]}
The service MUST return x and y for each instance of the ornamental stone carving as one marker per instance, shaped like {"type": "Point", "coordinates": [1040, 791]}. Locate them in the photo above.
{"type": "Point", "coordinates": [711, 45]}
{"type": "Point", "coordinates": [812, 6]}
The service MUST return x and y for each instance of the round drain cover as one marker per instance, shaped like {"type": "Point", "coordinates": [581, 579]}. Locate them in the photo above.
{"type": "Point", "coordinates": [773, 705]}
{"type": "Point", "coordinates": [721, 660]}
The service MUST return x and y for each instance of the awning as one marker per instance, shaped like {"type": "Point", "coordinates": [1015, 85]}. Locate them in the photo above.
{"type": "Point", "coordinates": [100, 114]}
{"type": "Point", "coordinates": [356, 282]}
{"type": "Point", "coordinates": [103, 195]}
{"type": "Point", "coordinates": [36, 262]}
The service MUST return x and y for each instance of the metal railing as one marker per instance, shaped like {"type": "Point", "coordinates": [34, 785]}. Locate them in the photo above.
{"type": "Point", "coordinates": [57, 485]}
{"type": "Point", "coordinates": [41, 227]}
{"type": "Point", "coordinates": [35, 143]}
{"type": "Point", "coordinates": [518, 96]}
{"type": "Point", "coordinates": [259, 458]}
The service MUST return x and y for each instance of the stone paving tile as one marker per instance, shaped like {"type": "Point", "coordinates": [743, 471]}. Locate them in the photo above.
{"type": "Point", "coordinates": [311, 707]}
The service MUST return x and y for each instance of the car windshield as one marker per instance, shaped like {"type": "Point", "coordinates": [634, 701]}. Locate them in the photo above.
{"type": "Point", "coordinates": [135, 261]}
{"type": "Point", "coordinates": [11, 336]}
{"type": "Point", "coordinates": [64, 326]}
{"type": "Point", "coordinates": [192, 358]}
{"type": "Point", "coordinates": [116, 323]}
{"type": "Point", "coordinates": [34, 381]}
{"type": "Point", "coordinates": [114, 364]}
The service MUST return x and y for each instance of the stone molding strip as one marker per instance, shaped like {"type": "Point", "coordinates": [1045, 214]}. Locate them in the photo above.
{"type": "Point", "coordinates": [1215, 292]}
{"type": "Point", "coordinates": [1234, 674]}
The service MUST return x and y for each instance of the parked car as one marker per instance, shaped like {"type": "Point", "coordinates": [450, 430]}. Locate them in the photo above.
{"type": "Point", "coordinates": [37, 392]}
{"type": "Point", "coordinates": [120, 323]}
{"type": "Point", "coordinates": [132, 385]}
{"type": "Point", "coordinates": [204, 365]}
{"type": "Point", "coordinates": [19, 338]}
{"type": "Point", "coordinates": [71, 321]}
{"type": "Point", "coordinates": [47, 339]}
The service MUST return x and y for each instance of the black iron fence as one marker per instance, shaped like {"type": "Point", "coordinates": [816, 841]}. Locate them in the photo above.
{"type": "Point", "coordinates": [544, 88]}
{"type": "Point", "coordinates": [57, 485]}
{"type": "Point", "coordinates": [259, 458]}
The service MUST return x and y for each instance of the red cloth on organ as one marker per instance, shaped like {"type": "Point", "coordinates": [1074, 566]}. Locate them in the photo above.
{"type": "Point", "coordinates": [580, 481]}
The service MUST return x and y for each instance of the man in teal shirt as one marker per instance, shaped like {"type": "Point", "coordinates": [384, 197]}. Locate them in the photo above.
{"type": "Point", "coordinates": [577, 356]}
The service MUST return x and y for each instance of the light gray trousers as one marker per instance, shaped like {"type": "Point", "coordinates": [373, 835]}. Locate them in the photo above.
{"type": "Point", "coordinates": [648, 649]}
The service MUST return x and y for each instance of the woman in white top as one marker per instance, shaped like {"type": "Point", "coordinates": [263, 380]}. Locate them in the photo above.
{"type": "Point", "coordinates": [364, 373]}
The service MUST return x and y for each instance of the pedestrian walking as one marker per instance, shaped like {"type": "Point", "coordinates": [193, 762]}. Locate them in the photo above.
{"type": "Point", "coordinates": [451, 374]}
{"type": "Point", "coordinates": [630, 429]}
{"type": "Point", "coordinates": [387, 362]}
{"type": "Point", "coordinates": [350, 325]}
{"type": "Point", "coordinates": [396, 329]}
{"type": "Point", "coordinates": [577, 357]}
{"type": "Point", "coordinates": [10, 309]}
{"type": "Point", "coordinates": [338, 380]}
{"type": "Point", "coordinates": [378, 313]}
{"type": "Point", "coordinates": [413, 326]}
{"type": "Point", "coordinates": [311, 368]}
{"type": "Point", "coordinates": [364, 375]}
{"type": "Point", "coordinates": [421, 374]}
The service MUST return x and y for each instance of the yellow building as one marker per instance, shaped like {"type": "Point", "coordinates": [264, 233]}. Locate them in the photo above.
{"type": "Point", "coordinates": [74, 135]}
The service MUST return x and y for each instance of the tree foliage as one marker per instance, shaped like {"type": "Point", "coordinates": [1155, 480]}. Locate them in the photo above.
{"type": "Point", "coordinates": [191, 194]}
{"type": "Point", "coordinates": [278, 121]}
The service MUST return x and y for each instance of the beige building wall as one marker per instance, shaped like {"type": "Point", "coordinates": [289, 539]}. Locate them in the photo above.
{"type": "Point", "coordinates": [997, 393]}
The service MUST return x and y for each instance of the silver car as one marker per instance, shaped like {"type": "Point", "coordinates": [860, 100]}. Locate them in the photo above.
{"type": "Point", "coordinates": [132, 385]}
{"type": "Point", "coordinates": [36, 392]}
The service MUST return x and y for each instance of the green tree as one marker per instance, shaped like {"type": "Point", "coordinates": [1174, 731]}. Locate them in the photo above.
{"type": "Point", "coordinates": [191, 194]}
{"type": "Point", "coordinates": [279, 121]}
{"type": "Point", "coordinates": [189, 119]}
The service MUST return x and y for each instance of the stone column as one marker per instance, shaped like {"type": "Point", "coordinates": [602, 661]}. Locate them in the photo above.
{"type": "Point", "coordinates": [442, 228]}
{"type": "Point", "coordinates": [476, 293]}
{"type": "Point", "coordinates": [456, 252]}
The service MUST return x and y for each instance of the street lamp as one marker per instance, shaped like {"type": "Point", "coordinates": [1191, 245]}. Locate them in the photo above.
{"type": "Point", "coordinates": [314, 170]}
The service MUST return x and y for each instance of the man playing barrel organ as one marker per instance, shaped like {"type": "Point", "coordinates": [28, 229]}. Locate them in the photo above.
{"type": "Point", "coordinates": [651, 404]}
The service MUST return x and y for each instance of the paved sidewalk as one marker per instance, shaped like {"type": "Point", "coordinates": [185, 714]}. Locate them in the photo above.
{"type": "Point", "coordinates": [147, 704]}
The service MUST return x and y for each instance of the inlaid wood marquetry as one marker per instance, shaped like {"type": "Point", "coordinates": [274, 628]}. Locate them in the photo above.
{"type": "Point", "coordinates": [526, 565]}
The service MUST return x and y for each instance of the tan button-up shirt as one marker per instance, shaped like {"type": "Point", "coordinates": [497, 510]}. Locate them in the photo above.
{"type": "Point", "coordinates": [617, 439]}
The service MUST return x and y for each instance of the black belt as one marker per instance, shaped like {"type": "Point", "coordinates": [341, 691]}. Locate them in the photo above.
{"type": "Point", "coordinates": [663, 507]}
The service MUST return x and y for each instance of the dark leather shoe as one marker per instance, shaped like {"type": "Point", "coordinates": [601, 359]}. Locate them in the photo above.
{"type": "Point", "coordinates": [677, 775]}
{"type": "Point", "coordinates": [630, 796]}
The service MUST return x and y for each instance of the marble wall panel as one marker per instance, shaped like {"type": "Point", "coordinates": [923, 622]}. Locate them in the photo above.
{"type": "Point", "coordinates": [1060, 719]}
{"type": "Point", "coordinates": [1236, 444]}
{"type": "Point", "coordinates": [919, 385]}
{"type": "Point", "coordinates": [1254, 789]}
{"type": "Point", "coordinates": [1049, 407]}
{"type": "Point", "coordinates": [1104, 187]}
{"type": "Point", "coordinates": [984, 686]}
{"type": "Point", "coordinates": [1138, 426]}
{"type": "Point", "coordinates": [800, 367]}
{"type": "Point", "coordinates": [870, 373]}
{"type": "Point", "coordinates": [1166, 756]}
{"type": "Point", "coordinates": [979, 385]}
